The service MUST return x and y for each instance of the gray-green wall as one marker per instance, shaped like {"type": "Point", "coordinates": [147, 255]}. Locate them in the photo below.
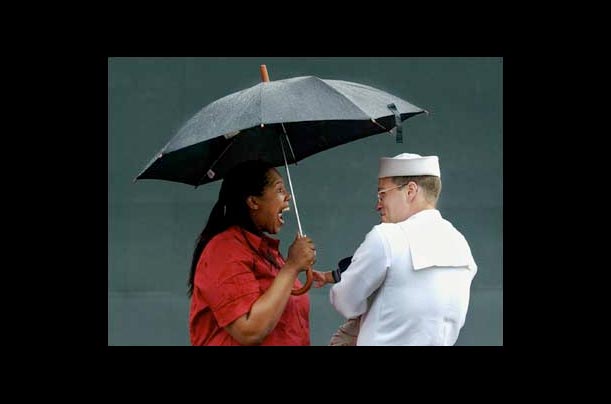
{"type": "Point", "coordinates": [152, 224]}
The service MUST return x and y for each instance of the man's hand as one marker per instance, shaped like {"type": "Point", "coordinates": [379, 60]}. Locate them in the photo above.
{"type": "Point", "coordinates": [322, 278]}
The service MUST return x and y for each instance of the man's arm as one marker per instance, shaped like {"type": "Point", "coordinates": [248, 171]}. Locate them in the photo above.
{"type": "Point", "coordinates": [362, 278]}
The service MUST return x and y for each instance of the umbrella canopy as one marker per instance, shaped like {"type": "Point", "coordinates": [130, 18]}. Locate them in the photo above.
{"type": "Point", "coordinates": [279, 121]}
{"type": "Point", "coordinates": [310, 115]}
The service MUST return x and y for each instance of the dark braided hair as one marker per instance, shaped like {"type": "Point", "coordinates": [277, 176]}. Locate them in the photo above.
{"type": "Point", "coordinates": [246, 179]}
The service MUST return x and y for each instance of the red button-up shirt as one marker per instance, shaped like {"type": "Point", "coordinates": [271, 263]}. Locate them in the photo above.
{"type": "Point", "coordinates": [229, 278]}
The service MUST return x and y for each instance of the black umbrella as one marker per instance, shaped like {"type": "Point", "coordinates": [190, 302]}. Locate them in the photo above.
{"type": "Point", "coordinates": [282, 122]}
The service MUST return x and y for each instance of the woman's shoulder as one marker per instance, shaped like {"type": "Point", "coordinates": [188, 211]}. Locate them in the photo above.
{"type": "Point", "coordinates": [228, 237]}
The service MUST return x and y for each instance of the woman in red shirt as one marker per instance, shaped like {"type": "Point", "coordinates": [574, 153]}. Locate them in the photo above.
{"type": "Point", "coordinates": [240, 285]}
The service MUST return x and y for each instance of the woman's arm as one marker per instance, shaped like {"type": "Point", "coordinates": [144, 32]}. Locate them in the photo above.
{"type": "Point", "coordinates": [254, 326]}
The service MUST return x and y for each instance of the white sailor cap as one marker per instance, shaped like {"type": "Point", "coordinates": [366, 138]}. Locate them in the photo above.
{"type": "Point", "coordinates": [408, 164]}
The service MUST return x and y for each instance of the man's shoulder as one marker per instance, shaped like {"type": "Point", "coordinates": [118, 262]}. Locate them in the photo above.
{"type": "Point", "coordinates": [386, 229]}
{"type": "Point", "coordinates": [383, 226]}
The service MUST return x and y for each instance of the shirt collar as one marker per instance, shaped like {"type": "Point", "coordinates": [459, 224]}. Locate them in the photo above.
{"type": "Point", "coordinates": [426, 213]}
{"type": "Point", "coordinates": [261, 241]}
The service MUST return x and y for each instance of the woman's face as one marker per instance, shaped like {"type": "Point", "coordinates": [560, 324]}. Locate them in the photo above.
{"type": "Point", "coordinates": [266, 210]}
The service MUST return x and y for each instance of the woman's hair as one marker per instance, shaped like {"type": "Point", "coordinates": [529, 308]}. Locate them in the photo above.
{"type": "Point", "coordinates": [246, 179]}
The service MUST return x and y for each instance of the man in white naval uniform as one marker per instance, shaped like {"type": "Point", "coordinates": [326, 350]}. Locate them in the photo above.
{"type": "Point", "coordinates": [409, 281]}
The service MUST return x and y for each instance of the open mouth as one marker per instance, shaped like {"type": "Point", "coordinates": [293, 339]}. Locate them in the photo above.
{"type": "Point", "coordinates": [281, 212]}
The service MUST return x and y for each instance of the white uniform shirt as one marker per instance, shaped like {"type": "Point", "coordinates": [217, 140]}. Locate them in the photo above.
{"type": "Point", "coordinates": [410, 281]}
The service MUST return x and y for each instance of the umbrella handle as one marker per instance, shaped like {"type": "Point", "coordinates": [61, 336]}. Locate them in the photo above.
{"type": "Point", "coordinates": [264, 75]}
{"type": "Point", "coordinates": [308, 284]}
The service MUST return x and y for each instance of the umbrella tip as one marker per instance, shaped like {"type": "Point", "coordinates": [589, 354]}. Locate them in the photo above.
{"type": "Point", "coordinates": [264, 75]}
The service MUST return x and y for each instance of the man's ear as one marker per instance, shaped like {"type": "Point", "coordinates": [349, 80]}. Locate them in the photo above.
{"type": "Point", "coordinates": [252, 203]}
{"type": "Point", "coordinates": [412, 187]}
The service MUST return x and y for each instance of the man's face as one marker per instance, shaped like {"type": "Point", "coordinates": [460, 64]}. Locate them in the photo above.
{"type": "Point", "coordinates": [392, 201]}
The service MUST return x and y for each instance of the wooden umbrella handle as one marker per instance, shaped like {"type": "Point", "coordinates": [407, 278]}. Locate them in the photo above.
{"type": "Point", "coordinates": [264, 75]}
{"type": "Point", "coordinates": [308, 284]}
